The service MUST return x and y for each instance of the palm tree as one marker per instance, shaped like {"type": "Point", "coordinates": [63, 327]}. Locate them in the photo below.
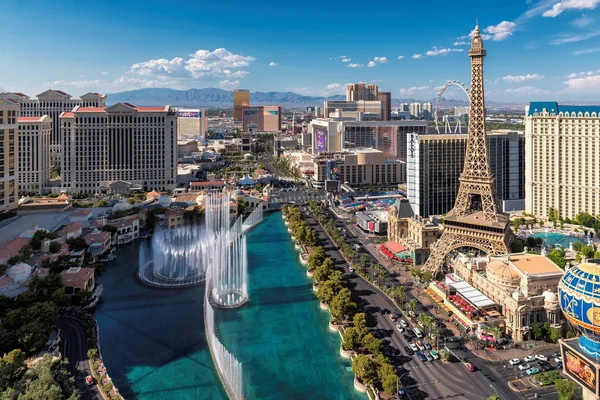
{"type": "Point", "coordinates": [436, 334]}
{"type": "Point", "coordinates": [496, 332]}
{"type": "Point", "coordinates": [401, 294]}
{"type": "Point", "coordinates": [412, 305]}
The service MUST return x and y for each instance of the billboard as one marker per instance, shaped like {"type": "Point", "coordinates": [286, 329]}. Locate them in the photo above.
{"type": "Point", "coordinates": [332, 171]}
{"type": "Point", "coordinates": [578, 367]}
{"type": "Point", "coordinates": [273, 112]}
{"type": "Point", "coordinates": [321, 139]}
{"type": "Point", "coordinates": [189, 114]}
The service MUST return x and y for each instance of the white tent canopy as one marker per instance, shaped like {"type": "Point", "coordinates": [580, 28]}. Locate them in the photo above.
{"type": "Point", "coordinates": [472, 295]}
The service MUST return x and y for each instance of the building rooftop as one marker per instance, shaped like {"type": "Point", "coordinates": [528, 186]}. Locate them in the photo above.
{"type": "Point", "coordinates": [82, 212]}
{"type": "Point", "coordinates": [534, 264]}
{"type": "Point", "coordinates": [204, 184]}
{"type": "Point", "coordinates": [76, 275]}
{"type": "Point", "coordinates": [30, 119]}
{"type": "Point", "coordinates": [554, 107]}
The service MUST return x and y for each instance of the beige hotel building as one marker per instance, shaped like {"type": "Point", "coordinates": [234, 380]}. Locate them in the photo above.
{"type": "Point", "coordinates": [118, 149]}
{"type": "Point", "coordinates": [562, 159]}
{"type": "Point", "coordinates": [34, 153]}
{"type": "Point", "coordinates": [53, 103]}
{"type": "Point", "coordinates": [9, 150]}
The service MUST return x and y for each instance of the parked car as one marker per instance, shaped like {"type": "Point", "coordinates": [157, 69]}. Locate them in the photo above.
{"type": "Point", "coordinates": [532, 371]}
{"type": "Point", "coordinates": [414, 347]}
{"type": "Point", "coordinates": [392, 317]}
{"type": "Point", "coordinates": [400, 328]}
{"type": "Point", "coordinates": [427, 345]}
{"type": "Point", "coordinates": [524, 367]}
{"type": "Point", "coordinates": [541, 357]}
{"type": "Point", "coordinates": [529, 358]}
{"type": "Point", "coordinates": [428, 356]}
{"type": "Point", "coordinates": [514, 361]}
{"type": "Point", "coordinates": [558, 359]}
{"type": "Point", "coordinates": [420, 345]}
{"type": "Point", "coordinates": [407, 337]}
{"type": "Point", "coordinates": [470, 366]}
{"type": "Point", "coordinates": [421, 356]}
{"type": "Point", "coordinates": [556, 354]}
{"type": "Point", "coordinates": [409, 351]}
{"type": "Point", "coordinates": [411, 314]}
{"type": "Point", "coordinates": [403, 323]}
{"type": "Point", "coordinates": [89, 380]}
{"type": "Point", "coordinates": [434, 354]}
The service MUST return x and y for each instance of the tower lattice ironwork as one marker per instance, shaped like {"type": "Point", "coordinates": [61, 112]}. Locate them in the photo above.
{"type": "Point", "coordinates": [475, 221]}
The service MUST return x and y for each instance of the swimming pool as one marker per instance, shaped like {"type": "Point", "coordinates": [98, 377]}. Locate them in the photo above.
{"type": "Point", "coordinates": [552, 238]}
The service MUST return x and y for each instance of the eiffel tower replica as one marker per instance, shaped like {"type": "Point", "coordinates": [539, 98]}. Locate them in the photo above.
{"type": "Point", "coordinates": [475, 221]}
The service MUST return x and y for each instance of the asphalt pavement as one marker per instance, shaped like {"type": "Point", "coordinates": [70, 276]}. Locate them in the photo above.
{"type": "Point", "coordinates": [76, 352]}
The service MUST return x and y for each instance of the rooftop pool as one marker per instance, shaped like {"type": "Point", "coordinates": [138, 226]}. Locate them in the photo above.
{"type": "Point", "coordinates": [561, 239]}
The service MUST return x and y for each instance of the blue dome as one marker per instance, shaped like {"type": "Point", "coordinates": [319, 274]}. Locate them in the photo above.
{"type": "Point", "coordinates": [579, 294]}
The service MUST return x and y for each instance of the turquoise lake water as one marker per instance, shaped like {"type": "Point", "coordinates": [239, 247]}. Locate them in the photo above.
{"type": "Point", "coordinates": [557, 238]}
{"type": "Point", "coordinates": [154, 346]}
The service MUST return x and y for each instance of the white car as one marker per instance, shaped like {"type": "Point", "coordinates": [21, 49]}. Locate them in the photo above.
{"type": "Point", "coordinates": [524, 367]}
{"type": "Point", "coordinates": [558, 359]}
{"type": "Point", "coordinates": [541, 357]}
{"type": "Point", "coordinates": [400, 328]}
{"type": "Point", "coordinates": [514, 361]}
{"type": "Point", "coordinates": [413, 347]}
{"type": "Point", "coordinates": [529, 358]}
{"type": "Point", "coordinates": [403, 323]}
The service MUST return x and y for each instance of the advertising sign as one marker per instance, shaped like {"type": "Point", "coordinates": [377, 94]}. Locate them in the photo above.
{"type": "Point", "coordinates": [189, 114]}
{"type": "Point", "coordinates": [371, 226]}
{"type": "Point", "coordinates": [579, 368]}
{"type": "Point", "coordinates": [321, 139]}
{"type": "Point", "coordinates": [273, 112]}
{"type": "Point", "coordinates": [332, 171]}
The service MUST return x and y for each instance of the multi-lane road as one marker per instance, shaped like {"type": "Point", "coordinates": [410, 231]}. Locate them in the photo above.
{"type": "Point", "coordinates": [76, 352]}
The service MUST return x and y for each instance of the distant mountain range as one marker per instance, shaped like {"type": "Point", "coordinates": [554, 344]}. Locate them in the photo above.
{"type": "Point", "coordinates": [213, 97]}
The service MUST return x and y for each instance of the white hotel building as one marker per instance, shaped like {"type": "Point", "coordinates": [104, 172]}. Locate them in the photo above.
{"type": "Point", "coordinates": [562, 159]}
{"type": "Point", "coordinates": [34, 153]}
{"type": "Point", "coordinates": [9, 151]}
{"type": "Point", "coordinates": [118, 149]}
{"type": "Point", "coordinates": [53, 103]}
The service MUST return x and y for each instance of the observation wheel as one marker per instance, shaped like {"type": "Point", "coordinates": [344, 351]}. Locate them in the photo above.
{"type": "Point", "coordinates": [447, 128]}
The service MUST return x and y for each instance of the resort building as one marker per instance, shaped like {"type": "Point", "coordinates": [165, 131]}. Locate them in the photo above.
{"type": "Point", "coordinates": [413, 234]}
{"type": "Point", "coordinates": [99, 242]}
{"type": "Point", "coordinates": [119, 149]}
{"type": "Point", "coordinates": [34, 153]}
{"type": "Point", "coordinates": [357, 167]}
{"type": "Point", "coordinates": [9, 151]}
{"type": "Point", "coordinates": [435, 162]}
{"type": "Point", "coordinates": [262, 118]}
{"type": "Point", "coordinates": [128, 229]}
{"type": "Point", "coordinates": [562, 153]}
{"type": "Point", "coordinates": [52, 103]}
{"type": "Point", "coordinates": [372, 221]}
{"type": "Point", "coordinates": [77, 279]}
{"type": "Point", "coordinates": [192, 122]}
{"type": "Point", "coordinates": [358, 110]}
{"type": "Point", "coordinates": [335, 134]}
{"type": "Point", "coordinates": [523, 286]}
{"type": "Point", "coordinates": [241, 99]}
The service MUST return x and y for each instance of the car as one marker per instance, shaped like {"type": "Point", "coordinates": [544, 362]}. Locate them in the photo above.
{"type": "Point", "coordinates": [409, 351]}
{"type": "Point", "coordinates": [470, 366]}
{"type": "Point", "coordinates": [421, 356]}
{"type": "Point", "coordinates": [428, 356]}
{"type": "Point", "coordinates": [524, 367]}
{"type": "Point", "coordinates": [411, 313]}
{"type": "Point", "coordinates": [351, 269]}
{"type": "Point", "coordinates": [392, 317]}
{"type": "Point", "coordinates": [434, 354]}
{"type": "Point", "coordinates": [420, 345]}
{"type": "Point", "coordinates": [420, 324]}
{"type": "Point", "coordinates": [556, 354]}
{"type": "Point", "coordinates": [414, 347]}
{"type": "Point", "coordinates": [541, 357]}
{"type": "Point", "coordinates": [407, 337]}
{"type": "Point", "coordinates": [514, 361]}
{"type": "Point", "coordinates": [545, 367]}
{"type": "Point", "coordinates": [89, 380]}
{"type": "Point", "coordinates": [403, 323]}
{"type": "Point", "coordinates": [559, 365]}
{"type": "Point", "coordinates": [529, 358]}
{"type": "Point", "coordinates": [558, 359]}
{"type": "Point", "coordinates": [427, 345]}
{"type": "Point", "coordinates": [400, 328]}
{"type": "Point", "coordinates": [411, 333]}
{"type": "Point", "coordinates": [532, 371]}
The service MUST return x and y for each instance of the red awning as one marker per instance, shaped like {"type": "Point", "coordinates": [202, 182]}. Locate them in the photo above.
{"type": "Point", "coordinates": [395, 247]}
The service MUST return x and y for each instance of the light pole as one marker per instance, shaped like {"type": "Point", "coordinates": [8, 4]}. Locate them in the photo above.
{"type": "Point", "coordinates": [398, 380]}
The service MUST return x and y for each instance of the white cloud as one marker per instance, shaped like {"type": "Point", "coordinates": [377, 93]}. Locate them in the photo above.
{"type": "Point", "coordinates": [583, 73]}
{"type": "Point", "coordinates": [523, 78]}
{"type": "Point", "coordinates": [586, 51]}
{"type": "Point", "coordinates": [460, 43]}
{"type": "Point", "coordinates": [582, 21]}
{"type": "Point", "coordinates": [400, 57]}
{"type": "Point", "coordinates": [499, 32]}
{"type": "Point", "coordinates": [202, 63]}
{"type": "Point", "coordinates": [345, 60]}
{"type": "Point", "coordinates": [353, 65]}
{"type": "Point", "coordinates": [376, 81]}
{"type": "Point", "coordinates": [528, 90]}
{"type": "Point", "coordinates": [371, 64]}
{"type": "Point", "coordinates": [380, 60]}
{"type": "Point", "coordinates": [572, 38]}
{"type": "Point", "coordinates": [103, 73]}
{"type": "Point", "coordinates": [227, 84]}
{"type": "Point", "coordinates": [329, 90]}
{"type": "Point", "coordinates": [441, 52]}
{"type": "Point", "coordinates": [587, 84]}
{"type": "Point", "coordinates": [416, 56]}
{"type": "Point", "coordinates": [565, 5]}
{"type": "Point", "coordinates": [273, 64]}
{"type": "Point", "coordinates": [77, 83]}
{"type": "Point", "coordinates": [412, 90]}
{"type": "Point", "coordinates": [128, 82]}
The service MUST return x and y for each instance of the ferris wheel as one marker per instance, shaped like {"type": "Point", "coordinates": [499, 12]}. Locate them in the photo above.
{"type": "Point", "coordinates": [447, 128]}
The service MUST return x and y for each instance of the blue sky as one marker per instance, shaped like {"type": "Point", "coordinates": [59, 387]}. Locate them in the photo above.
{"type": "Point", "coordinates": [537, 50]}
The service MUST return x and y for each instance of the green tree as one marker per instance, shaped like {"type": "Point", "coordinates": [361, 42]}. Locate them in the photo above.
{"type": "Point", "coordinates": [445, 355]}
{"type": "Point", "coordinates": [77, 243]}
{"type": "Point", "coordinates": [342, 307]}
{"type": "Point", "coordinates": [554, 335]}
{"type": "Point", "coordinates": [360, 320]}
{"type": "Point", "coordinates": [412, 305]}
{"type": "Point", "coordinates": [365, 369]}
{"type": "Point", "coordinates": [416, 274]}
{"type": "Point", "coordinates": [327, 291]}
{"type": "Point", "coordinates": [557, 256]}
{"type": "Point", "coordinates": [351, 338]}
{"type": "Point", "coordinates": [567, 390]}
{"type": "Point", "coordinates": [536, 330]}
{"type": "Point", "coordinates": [426, 276]}
{"type": "Point", "coordinates": [54, 247]}
{"type": "Point", "coordinates": [585, 219]}
{"type": "Point", "coordinates": [60, 298]}
{"type": "Point", "coordinates": [324, 271]}
{"type": "Point", "coordinates": [390, 384]}
{"type": "Point", "coordinates": [372, 344]}
{"type": "Point", "coordinates": [494, 397]}
{"type": "Point", "coordinates": [12, 367]}
{"type": "Point", "coordinates": [316, 258]}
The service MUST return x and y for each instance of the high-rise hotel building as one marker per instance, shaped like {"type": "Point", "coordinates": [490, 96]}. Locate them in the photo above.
{"type": "Point", "coordinates": [9, 150]}
{"type": "Point", "coordinates": [34, 153]}
{"type": "Point", "coordinates": [562, 150]}
{"type": "Point", "coordinates": [52, 103]}
{"type": "Point", "coordinates": [241, 99]}
{"type": "Point", "coordinates": [119, 148]}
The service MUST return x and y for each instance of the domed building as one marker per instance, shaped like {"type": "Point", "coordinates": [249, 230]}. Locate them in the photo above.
{"type": "Point", "coordinates": [579, 294]}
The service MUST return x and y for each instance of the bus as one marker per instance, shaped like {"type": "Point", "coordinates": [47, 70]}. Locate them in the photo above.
{"type": "Point", "coordinates": [418, 333]}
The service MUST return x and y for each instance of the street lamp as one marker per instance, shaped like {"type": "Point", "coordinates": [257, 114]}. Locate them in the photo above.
{"type": "Point", "coordinates": [398, 380]}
